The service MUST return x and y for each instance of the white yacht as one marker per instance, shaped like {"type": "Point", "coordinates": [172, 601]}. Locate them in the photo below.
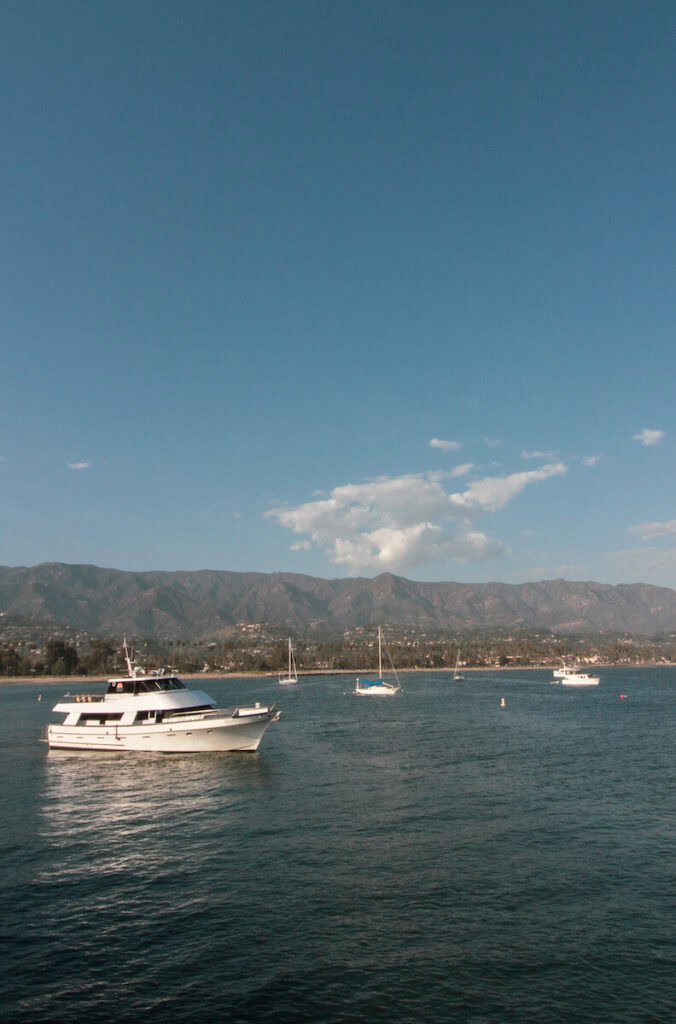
{"type": "Point", "coordinates": [155, 711]}
{"type": "Point", "coordinates": [378, 687]}
{"type": "Point", "coordinates": [570, 676]}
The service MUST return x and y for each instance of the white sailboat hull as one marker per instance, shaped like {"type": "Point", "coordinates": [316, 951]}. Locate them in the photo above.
{"type": "Point", "coordinates": [375, 689]}
{"type": "Point", "coordinates": [243, 732]}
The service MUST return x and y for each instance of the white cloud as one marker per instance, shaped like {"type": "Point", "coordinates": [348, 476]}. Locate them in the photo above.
{"type": "Point", "coordinates": [591, 460]}
{"type": "Point", "coordinates": [651, 531]}
{"type": "Point", "coordinates": [391, 548]}
{"type": "Point", "coordinates": [648, 437]}
{"type": "Point", "coordinates": [657, 565]}
{"type": "Point", "coordinates": [463, 470]}
{"type": "Point", "coordinates": [494, 492]}
{"type": "Point", "coordinates": [446, 446]}
{"type": "Point", "coordinates": [492, 442]}
{"type": "Point", "coordinates": [302, 545]}
{"type": "Point", "coordinates": [395, 523]}
{"type": "Point", "coordinates": [79, 465]}
{"type": "Point", "coordinates": [538, 455]}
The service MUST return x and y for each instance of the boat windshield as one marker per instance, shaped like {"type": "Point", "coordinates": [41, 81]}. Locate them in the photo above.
{"type": "Point", "coordinates": [145, 685]}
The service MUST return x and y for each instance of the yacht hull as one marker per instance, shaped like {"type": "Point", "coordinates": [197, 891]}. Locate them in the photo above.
{"type": "Point", "coordinates": [231, 734]}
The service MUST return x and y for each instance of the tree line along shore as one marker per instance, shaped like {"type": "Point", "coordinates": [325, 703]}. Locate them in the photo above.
{"type": "Point", "coordinates": [257, 652]}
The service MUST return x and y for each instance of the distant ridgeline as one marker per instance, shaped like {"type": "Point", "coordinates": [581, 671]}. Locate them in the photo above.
{"type": "Point", "coordinates": [189, 605]}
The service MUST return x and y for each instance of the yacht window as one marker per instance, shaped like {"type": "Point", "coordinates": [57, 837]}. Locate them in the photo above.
{"type": "Point", "coordinates": [121, 686]}
{"type": "Point", "coordinates": [145, 685]}
{"type": "Point", "coordinates": [149, 716]}
{"type": "Point", "coordinates": [187, 711]}
{"type": "Point", "coordinates": [99, 719]}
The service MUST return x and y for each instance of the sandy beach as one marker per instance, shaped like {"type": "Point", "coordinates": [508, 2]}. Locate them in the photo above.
{"type": "Point", "coordinates": [98, 680]}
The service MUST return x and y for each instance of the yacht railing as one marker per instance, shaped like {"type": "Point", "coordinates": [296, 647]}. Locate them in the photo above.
{"type": "Point", "coordinates": [237, 712]}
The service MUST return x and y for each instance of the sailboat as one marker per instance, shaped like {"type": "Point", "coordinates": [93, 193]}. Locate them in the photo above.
{"type": "Point", "coordinates": [378, 687]}
{"type": "Point", "coordinates": [292, 676]}
{"type": "Point", "coordinates": [457, 674]}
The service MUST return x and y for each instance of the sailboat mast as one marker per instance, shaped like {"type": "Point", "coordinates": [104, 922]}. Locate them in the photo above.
{"type": "Point", "coordinates": [380, 654]}
{"type": "Point", "coordinates": [289, 657]}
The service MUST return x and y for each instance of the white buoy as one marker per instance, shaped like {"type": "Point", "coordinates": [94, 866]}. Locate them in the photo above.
{"type": "Point", "coordinates": [502, 702]}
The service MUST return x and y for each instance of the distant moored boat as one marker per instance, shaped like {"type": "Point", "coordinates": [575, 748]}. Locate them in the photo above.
{"type": "Point", "coordinates": [292, 675]}
{"type": "Point", "coordinates": [378, 687]}
{"type": "Point", "coordinates": [568, 676]}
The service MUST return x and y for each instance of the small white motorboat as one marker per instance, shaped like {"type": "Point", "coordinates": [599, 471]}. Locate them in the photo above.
{"type": "Point", "coordinates": [568, 676]}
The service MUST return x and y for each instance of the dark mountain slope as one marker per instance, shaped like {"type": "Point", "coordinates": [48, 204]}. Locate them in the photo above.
{"type": "Point", "coordinates": [189, 604]}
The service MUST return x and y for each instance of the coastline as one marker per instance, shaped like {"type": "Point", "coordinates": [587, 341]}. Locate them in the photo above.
{"type": "Point", "coordinates": [313, 673]}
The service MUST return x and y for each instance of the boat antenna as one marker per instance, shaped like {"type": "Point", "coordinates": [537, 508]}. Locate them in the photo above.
{"type": "Point", "coordinates": [128, 655]}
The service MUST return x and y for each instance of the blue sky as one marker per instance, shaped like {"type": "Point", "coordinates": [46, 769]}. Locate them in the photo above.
{"type": "Point", "coordinates": [339, 287]}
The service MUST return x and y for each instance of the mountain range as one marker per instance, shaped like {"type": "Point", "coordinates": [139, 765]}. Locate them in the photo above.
{"type": "Point", "coordinates": [205, 602]}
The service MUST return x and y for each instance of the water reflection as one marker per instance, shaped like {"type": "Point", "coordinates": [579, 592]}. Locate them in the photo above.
{"type": "Point", "coordinates": [132, 812]}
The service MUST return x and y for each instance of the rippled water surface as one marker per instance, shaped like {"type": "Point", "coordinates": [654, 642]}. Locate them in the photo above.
{"type": "Point", "coordinates": [429, 857]}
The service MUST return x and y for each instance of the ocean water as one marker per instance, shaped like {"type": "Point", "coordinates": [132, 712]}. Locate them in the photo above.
{"type": "Point", "coordinates": [430, 857]}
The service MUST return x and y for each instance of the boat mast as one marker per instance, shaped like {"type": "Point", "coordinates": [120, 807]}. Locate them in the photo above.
{"type": "Point", "coordinates": [380, 654]}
